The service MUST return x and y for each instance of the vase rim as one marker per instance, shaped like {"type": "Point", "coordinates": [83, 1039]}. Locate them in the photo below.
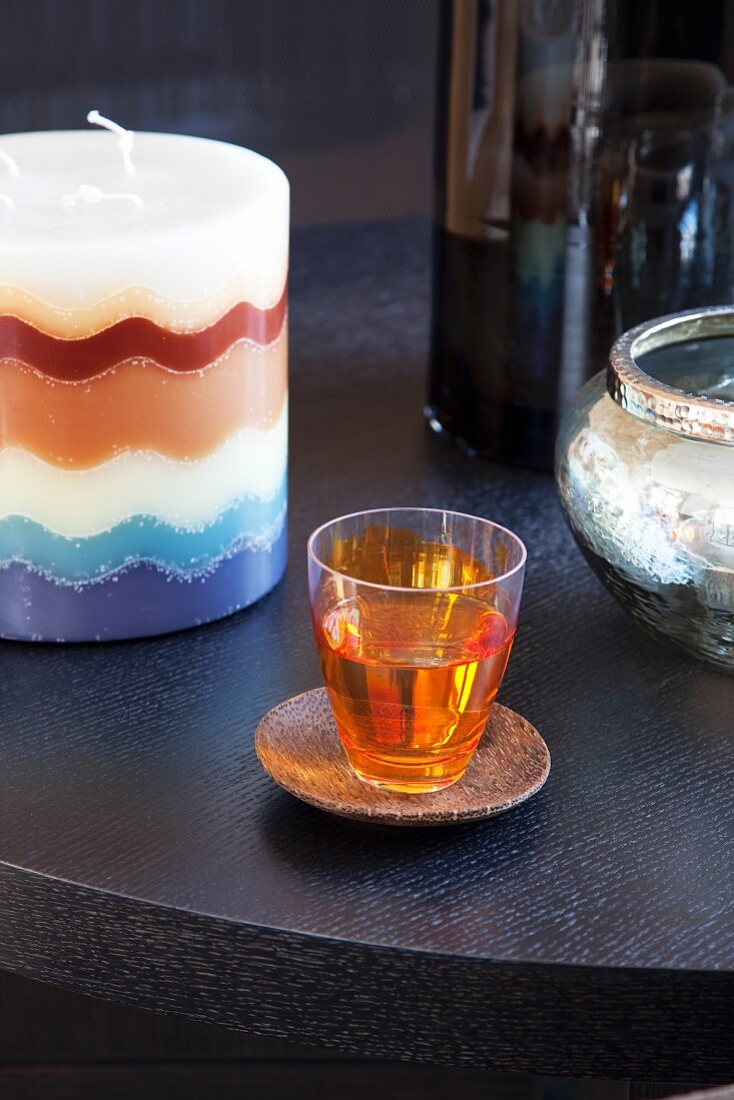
{"type": "Point", "coordinates": [694, 415]}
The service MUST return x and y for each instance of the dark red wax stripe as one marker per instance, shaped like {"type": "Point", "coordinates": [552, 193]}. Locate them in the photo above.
{"type": "Point", "coordinates": [139, 338]}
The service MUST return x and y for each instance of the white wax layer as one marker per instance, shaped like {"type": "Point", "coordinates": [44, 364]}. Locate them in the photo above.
{"type": "Point", "coordinates": [187, 494]}
{"type": "Point", "coordinates": [210, 213]}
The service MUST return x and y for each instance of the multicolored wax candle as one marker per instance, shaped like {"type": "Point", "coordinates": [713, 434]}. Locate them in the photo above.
{"type": "Point", "coordinates": [143, 384]}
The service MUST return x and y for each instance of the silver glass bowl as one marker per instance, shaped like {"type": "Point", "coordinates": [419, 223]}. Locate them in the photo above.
{"type": "Point", "coordinates": [645, 473]}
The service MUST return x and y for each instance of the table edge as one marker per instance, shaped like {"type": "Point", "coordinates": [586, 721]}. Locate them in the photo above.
{"type": "Point", "coordinates": [364, 999]}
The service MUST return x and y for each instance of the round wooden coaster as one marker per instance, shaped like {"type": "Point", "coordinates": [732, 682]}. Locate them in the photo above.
{"type": "Point", "coordinates": [298, 745]}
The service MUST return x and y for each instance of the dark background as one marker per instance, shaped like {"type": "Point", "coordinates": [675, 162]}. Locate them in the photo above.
{"type": "Point", "coordinates": [338, 92]}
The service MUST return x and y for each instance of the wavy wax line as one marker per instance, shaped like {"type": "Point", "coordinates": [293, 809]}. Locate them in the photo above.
{"type": "Point", "coordinates": [183, 494]}
{"type": "Point", "coordinates": [85, 357]}
{"type": "Point", "coordinates": [142, 406]}
{"type": "Point", "coordinates": [139, 600]}
{"type": "Point", "coordinates": [139, 362]}
{"type": "Point", "coordinates": [249, 523]}
{"type": "Point", "coordinates": [178, 315]}
{"type": "Point", "coordinates": [194, 570]}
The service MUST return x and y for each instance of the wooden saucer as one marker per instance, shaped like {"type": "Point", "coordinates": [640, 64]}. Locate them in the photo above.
{"type": "Point", "coordinates": [298, 745]}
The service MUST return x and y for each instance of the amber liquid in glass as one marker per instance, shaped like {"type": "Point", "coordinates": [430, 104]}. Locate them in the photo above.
{"type": "Point", "coordinates": [412, 675]}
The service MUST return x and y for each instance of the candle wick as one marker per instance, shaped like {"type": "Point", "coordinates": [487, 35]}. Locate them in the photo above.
{"type": "Point", "coordinates": [88, 193]}
{"type": "Point", "coordinates": [9, 163]}
{"type": "Point", "coordinates": [126, 138]}
{"type": "Point", "coordinates": [7, 202]}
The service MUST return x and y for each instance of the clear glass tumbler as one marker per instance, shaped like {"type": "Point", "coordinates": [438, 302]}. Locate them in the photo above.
{"type": "Point", "coordinates": [414, 613]}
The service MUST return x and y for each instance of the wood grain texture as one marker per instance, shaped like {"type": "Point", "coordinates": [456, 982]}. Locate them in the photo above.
{"type": "Point", "coordinates": [146, 856]}
{"type": "Point", "coordinates": [298, 745]}
{"type": "Point", "coordinates": [57, 1043]}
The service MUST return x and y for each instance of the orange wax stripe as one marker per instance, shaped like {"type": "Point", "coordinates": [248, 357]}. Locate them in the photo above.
{"type": "Point", "coordinates": [141, 406]}
{"type": "Point", "coordinates": [137, 337]}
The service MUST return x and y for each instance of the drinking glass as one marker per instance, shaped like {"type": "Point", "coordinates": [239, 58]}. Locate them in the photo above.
{"type": "Point", "coordinates": [414, 613]}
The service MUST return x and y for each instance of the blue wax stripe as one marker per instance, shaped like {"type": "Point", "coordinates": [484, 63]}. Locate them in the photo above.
{"type": "Point", "coordinates": [140, 538]}
{"type": "Point", "coordinates": [139, 601]}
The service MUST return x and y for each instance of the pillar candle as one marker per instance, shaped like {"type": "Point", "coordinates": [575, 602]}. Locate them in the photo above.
{"type": "Point", "coordinates": [143, 388]}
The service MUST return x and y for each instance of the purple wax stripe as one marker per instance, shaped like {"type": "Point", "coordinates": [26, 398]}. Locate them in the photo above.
{"type": "Point", "coordinates": [137, 602]}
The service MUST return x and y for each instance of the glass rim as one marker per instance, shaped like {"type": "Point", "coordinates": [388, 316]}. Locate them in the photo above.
{"type": "Point", "coordinates": [312, 555]}
{"type": "Point", "coordinates": [695, 416]}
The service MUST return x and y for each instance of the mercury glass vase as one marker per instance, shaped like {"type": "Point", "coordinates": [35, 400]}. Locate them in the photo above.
{"type": "Point", "coordinates": [645, 473]}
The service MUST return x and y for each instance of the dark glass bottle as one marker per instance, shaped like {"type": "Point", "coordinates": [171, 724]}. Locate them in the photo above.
{"type": "Point", "coordinates": [507, 76]}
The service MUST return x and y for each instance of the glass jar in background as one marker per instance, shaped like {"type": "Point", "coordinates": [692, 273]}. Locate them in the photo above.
{"type": "Point", "coordinates": [585, 172]}
{"type": "Point", "coordinates": [645, 472]}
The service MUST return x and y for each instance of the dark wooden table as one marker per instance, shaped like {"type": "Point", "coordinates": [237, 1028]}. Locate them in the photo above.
{"type": "Point", "coordinates": [147, 859]}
